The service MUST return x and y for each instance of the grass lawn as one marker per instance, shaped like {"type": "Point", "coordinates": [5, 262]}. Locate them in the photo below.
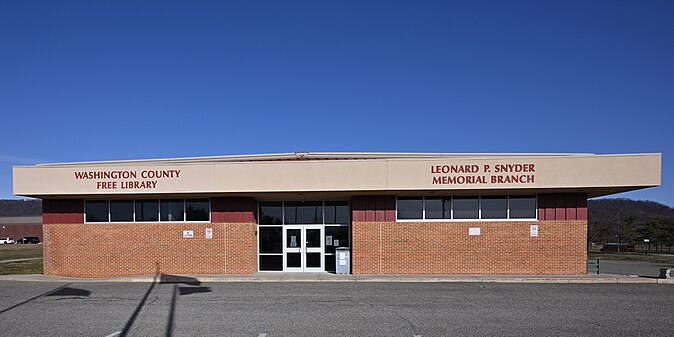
{"type": "Point", "coordinates": [633, 257]}
{"type": "Point", "coordinates": [23, 267]}
{"type": "Point", "coordinates": [11, 252]}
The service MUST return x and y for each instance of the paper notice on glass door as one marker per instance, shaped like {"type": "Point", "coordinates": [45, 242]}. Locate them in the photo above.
{"type": "Point", "coordinates": [328, 240]}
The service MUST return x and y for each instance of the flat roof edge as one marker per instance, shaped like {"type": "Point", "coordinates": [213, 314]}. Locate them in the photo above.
{"type": "Point", "coordinates": [320, 155]}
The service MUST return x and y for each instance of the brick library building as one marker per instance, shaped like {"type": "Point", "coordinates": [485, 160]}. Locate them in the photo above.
{"type": "Point", "coordinates": [397, 213]}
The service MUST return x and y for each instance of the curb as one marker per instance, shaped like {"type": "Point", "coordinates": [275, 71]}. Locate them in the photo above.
{"type": "Point", "coordinates": [339, 278]}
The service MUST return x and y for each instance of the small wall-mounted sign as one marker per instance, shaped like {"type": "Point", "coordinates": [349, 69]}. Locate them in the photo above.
{"type": "Point", "coordinates": [533, 230]}
{"type": "Point", "coordinates": [209, 233]}
{"type": "Point", "coordinates": [473, 231]}
{"type": "Point", "coordinates": [188, 234]}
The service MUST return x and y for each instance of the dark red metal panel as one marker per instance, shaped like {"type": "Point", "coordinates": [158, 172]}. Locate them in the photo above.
{"type": "Point", "coordinates": [581, 206]}
{"type": "Point", "coordinates": [358, 209]}
{"type": "Point", "coordinates": [550, 203]}
{"type": "Point", "coordinates": [233, 210]}
{"type": "Point", "coordinates": [380, 213]}
{"type": "Point", "coordinates": [571, 206]}
{"type": "Point", "coordinates": [541, 206]}
{"type": "Point", "coordinates": [46, 211]}
{"type": "Point", "coordinates": [390, 209]}
{"type": "Point", "coordinates": [560, 207]}
{"type": "Point", "coordinates": [370, 205]}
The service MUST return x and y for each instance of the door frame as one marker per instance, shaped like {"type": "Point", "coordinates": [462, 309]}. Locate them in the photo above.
{"type": "Point", "coordinates": [303, 249]}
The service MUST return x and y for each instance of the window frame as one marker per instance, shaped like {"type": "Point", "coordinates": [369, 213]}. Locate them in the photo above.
{"type": "Point", "coordinates": [479, 219]}
{"type": "Point", "coordinates": [184, 221]}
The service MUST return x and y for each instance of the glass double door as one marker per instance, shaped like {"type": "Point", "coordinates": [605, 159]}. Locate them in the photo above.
{"type": "Point", "coordinates": [303, 248]}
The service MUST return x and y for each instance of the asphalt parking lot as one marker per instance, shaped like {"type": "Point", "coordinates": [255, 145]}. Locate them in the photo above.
{"type": "Point", "coordinates": [190, 308]}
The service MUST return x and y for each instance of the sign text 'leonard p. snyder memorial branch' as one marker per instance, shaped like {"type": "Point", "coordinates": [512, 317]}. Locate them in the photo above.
{"type": "Point", "coordinates": [127, 179]}
{"type": "Point", "coordinates": [483, 174]}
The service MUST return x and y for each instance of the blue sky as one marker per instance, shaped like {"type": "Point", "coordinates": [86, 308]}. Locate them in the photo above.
{"type": "Point", "coordinates": [105, 80]}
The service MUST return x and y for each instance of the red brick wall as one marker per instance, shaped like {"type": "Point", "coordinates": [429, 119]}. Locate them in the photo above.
{"type": "Point", "coordinates": [104, 250]}
{"type": "Point", "coordinates": [18, 231]}
{"type": "Point", "coordinates": [446, 248]}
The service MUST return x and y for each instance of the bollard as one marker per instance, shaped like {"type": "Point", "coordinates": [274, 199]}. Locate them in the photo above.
{"type": "Point", "coordinates": [665, 273]}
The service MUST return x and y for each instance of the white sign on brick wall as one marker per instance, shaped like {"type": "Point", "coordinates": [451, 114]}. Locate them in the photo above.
{"type": "Point", "coordinates": [473, 231]}
{"type": "Point", "coordinates": [209, 233]}
{"type": "Point", "coordinates": [188, 234]}
{"type": "Point", "coordinates": [533, 230]}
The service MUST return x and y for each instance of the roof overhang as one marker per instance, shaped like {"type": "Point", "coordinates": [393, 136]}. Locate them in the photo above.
{"type": "Point", "coordinates": [344, 173]}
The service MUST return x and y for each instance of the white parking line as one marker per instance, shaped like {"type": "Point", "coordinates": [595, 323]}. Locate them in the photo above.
{"type": "Point", "coordinates": [114, 334]}
{"type": "Point", "coordinates": [262, 335]}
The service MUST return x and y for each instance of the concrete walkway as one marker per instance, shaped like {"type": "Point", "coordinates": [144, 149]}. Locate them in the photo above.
{"type": "Point", "coordinates": [324, 277]}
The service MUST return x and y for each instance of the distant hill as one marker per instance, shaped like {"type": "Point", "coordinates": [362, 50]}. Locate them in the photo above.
{"type": "Point", "coordinates": [640, 210]}
{"type": "Point", "coordinates": [20, 207]}
{"type": "Point", "coordinates": [630, 221]}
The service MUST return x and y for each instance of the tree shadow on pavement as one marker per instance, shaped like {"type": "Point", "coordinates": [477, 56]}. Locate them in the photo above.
{"type": "Point", "coordinates": [194, 288]}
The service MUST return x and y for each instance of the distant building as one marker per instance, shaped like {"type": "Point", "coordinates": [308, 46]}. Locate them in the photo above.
{"type": "Point", "coordinates": [400, 213]}
{"type": "Point", "coordinates": [18, 227]}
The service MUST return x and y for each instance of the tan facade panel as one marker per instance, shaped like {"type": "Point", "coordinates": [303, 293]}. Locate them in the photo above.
{"type": "Point", "coordinates": [483, 172]}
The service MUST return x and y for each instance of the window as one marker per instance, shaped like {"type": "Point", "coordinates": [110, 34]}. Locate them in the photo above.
{"type": "Point", "coordinates": [466, 207]}
{"type": "Point", "coordinates": [411, 208]}
{"type": "Point", "coordinates": [438, 208]}
{"type": "Point", "coordinates": [522, 207]}
{"type": "Point", "coordinates": [121, 210]}
{"type": "Point", "coordinates": [197, 210]}
{"type": "Point", "coordinates": [494, 207]}
{"type": "Point", "coordinates": [152, 210]}
{"type": "Point", "coordinates": [271, 213]}
{"type": "Point", "coordinates": [303, 213]}
{"type": "Point", "coordinates": [172, 210]}
{"type": "Point", "coordinates": [97, 211]}
{"type": "Point", "coordinates": [147, 210]}
{"type": "Point", "coordinates": [336, 212]}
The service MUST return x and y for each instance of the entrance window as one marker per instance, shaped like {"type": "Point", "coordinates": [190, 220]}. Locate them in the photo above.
{"type": "Point", "coordinates": [303, 213]}
{"type": "Point", "coordinates": [301, 236]}
{"type": "Point", "coordinates": [337, 212]}
{"type": "Point", "coordinates": [271, 213]}
{"type": "Point", "coordinates": [271, 248]}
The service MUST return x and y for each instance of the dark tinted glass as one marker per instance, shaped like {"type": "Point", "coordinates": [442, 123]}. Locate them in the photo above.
{"type": "Point", "coordinates": [337, 212]}
{"type": "Point", "coordinates": [271, 239]}
{"type": "Point", "coordinates": [466, 208]}
{"type": "Point", "coordinates": [271, 262]}
{"type": "Point", "coordinates": [336, 236]}
{"type": "Point", "coordinates": [197, 209]}
{"type": "Point", "coordinates": [494, 207]}
{"type": "Point", "coordinates": [172, 210]}
{"type": "Point", "coordinates": [97, 211]}
{"type": "Point", "coordinates": [438, 208]}
{"type": "Point", "coordinates": [523, 207]}
{"type": "Point", "coordinates": [313, 260]}
{"type": "Point", "coordinates": [410, 208]}
{"type": "Point", "coordinates": [271, 213]}
{"type": "Point", "coordinates": [330, 263]}
{"type": "Point", "coordinates": [121, 210]}
{"type": "Point", "coordinates": [303, 213]}
{"type": "Point", "coordinates": [147, 210]}
{"type": "Point", "coordinates": [293, 260]}
{"type": "Point", "coordinates": [294, 238]}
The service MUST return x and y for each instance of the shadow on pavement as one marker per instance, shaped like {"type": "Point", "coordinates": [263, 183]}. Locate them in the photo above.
{"type": "Point", "coordinates": [67, 291]}
{"type": "Point", "coordinates": [35, 297]}
{"type": "Point", "coordinates": [177, 290]}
